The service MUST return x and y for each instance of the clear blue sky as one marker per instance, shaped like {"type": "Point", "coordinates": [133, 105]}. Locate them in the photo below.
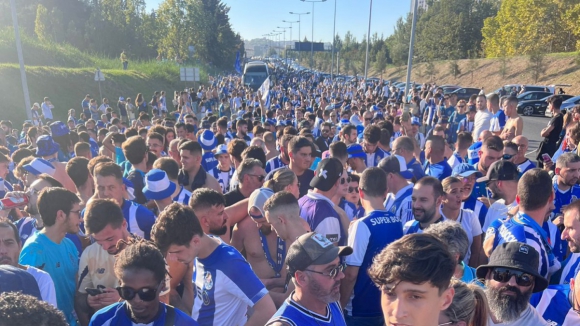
{"type": "Point", "coordinates": [253, 18]}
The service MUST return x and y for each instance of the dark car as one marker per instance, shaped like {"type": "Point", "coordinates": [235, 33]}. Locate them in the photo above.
{"type": "Point", "coordinates": [530, 107]}
{"type": "Point", "coordinates": [465, 93]}
{"type": "Point", "coordinates": [524, 107]}
{"type": "Point", "coordinates": [570, 103]}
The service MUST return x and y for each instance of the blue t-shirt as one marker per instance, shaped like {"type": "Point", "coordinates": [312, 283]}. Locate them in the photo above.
{"type": "Point", "coordinates": [274, 163]}
{"type": "Point", "coordinates": [497, 122]}
{"type": "Point", "coordinates": [119, 314]}
{"type": "Point", "coordinates": [368, 236]}
{"type": "Point", "coordinates": [137, 178]}
{"type": "Point", "coordinates": [225, 287]}
{"type": "Point", "coordinates": [439, 170]}
{"type": "Point", "coordinates": [61, 261]}
{"type": "Point", "coordinates": [416, 168]}
{"type": "Point", "coordinates": [208, 161]}
{"type": "Point", "coordinates": [555, 306]}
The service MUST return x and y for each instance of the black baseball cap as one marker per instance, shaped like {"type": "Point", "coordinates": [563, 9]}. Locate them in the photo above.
{"type": "Point", "coordinates": [312, 249]}
{"type": "Point", "coordinates": [501, 170]}
{"type": "Point", "coordinates": [327, 173]}
{"type": "Point", "coordinates": [518, 256]}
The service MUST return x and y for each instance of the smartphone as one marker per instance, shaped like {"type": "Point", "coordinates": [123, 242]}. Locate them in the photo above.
{"type": "Point", "coordinates": [97, 291]}
{"type": "Point", "coordinates": [546, 158]}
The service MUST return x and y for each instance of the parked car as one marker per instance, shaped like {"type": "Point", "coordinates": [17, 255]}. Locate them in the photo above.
{"type": "Point", "coordinates": [531, 107]}
{"type": "Point", "coordinates": [449, 88]}
{"type": "Point", "coordinates": [465, 93]}
{"type": "Point", "coordinates": [570, 103]}
{"type": "Point", "coordinates": [527, 100]}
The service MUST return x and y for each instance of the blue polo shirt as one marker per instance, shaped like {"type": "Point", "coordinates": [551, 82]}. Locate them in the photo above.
{"type": "Point", "coordinates": [119, 314]}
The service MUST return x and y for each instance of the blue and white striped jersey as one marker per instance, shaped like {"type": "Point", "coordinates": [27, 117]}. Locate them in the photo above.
{"type": "Point", "coordinates": [294, 314]}
{"type": "Point", "coordinates": [555, 305]}
{"type": "Point", "coordinates": [183, 196]}
{"type": "Point", "coordinates": [274, 163]}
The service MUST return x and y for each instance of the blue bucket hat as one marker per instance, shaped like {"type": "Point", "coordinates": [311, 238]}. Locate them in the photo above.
{"type": "Point", "coordinates": [465, 170]}
{"type": "Point", "coordinates": [207, 140]}
{"type": "Point", "coordinates": [157, 185]}
{"type": "Point", "coordinates": [58, 129]}
{"type": "Point", "coordinates": [39, 166]}
{"type": "Point", "coordinates": [46, 146]}
{"type": "Point", "coordinates": [355, 150]}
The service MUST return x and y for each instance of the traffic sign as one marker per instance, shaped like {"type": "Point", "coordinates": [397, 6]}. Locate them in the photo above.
{"type": "Point", "coordinates": [189, 74]}
{"type": "Point", "coordinates": [99, 76]}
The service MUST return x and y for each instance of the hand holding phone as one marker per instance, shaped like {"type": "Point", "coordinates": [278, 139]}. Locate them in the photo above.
{"type": "Point", "coordinates": [95, 291]}
{"type": "Point", "coordinates": [546, 158]}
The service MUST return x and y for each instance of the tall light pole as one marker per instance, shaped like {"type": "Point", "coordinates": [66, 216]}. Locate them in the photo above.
{"type": "Point", "coordinates": [368, 41]}
{"type": "Point", "coordinates": [21, 60]}
{"type": "Point", "coordinates": [333, 44]}
{"type": "Point", "coordinates": [285, 54]}
{"type": "Point", "coordinates": [285, 21]}
{"type": "Point", "coordinates": [312, 40]}
{"type": "Point", "coordinates": [278, 33]}
{"type": "Point", "coordinates": [267, 43]}
{"type": "Point", "coordinates": [299, 36]}
{"type": "Point", "coordinates": [411, 43]}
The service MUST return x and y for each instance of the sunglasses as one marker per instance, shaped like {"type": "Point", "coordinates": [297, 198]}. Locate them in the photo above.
{"type": "Point", "coordinates": [353, 189]}
{"type": "Point", "coordinates": [333, 272]}
{"type": "Point", "coordinates": [325, 131]}
{"type": "Point", "coordinates": [260, 177]}
{"type": "Point", "coordinates": [507, 157]}
{"type": "Point", "coordinates": [145, 294]}
{"type": "Point", "coordinates": [343, 181]}
{"type": "Point", "coordinates": [503, 275]}
{"type": "Point", "coordinates": [368, 119]}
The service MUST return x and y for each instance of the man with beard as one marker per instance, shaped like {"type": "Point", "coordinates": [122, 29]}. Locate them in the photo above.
{"type": "Point", "coordinates": [399, 188]}
{"type": "Point", "coordinates": [105, 223]}
{"type": "Point", "coordinates": [511, 276]}
{"type": "Point", "coordinates": [535, 196]}
{"type": "Point", "coordinates": [571, 234]}
{"type": "Point", "coordinates": [491, 151]}
{"type": "Point", "coordinates": [323, 142]}
{"type": "Point", "coordinates": [10, 246]}
{"type": "Point", "coordinates": [371, 137]}
{"type": "Point", "coordinates": [314, 264]}
{"type": "Point", "coordinates": [225, 284]}
{"type": "Point", "coordinates": [281, 160]}
{"type": "Point", "coordinates": [502, 180]}
{"type": "Point", "coordinates": [427, 198]}
{"type": "Point", "coordinates": [208, 205]}
{"type": "Point", "coordinates": [367, 236]}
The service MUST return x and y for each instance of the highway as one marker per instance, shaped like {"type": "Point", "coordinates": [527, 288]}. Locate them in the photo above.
{"type": "Point", "coordinates": [532, 127]}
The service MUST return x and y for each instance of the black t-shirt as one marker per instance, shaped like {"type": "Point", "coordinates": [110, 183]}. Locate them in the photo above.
{"type": "Point", "coordinates": [558, 122]}
{"type": "Point", "coordinates": [137, 178]}
{"type": "Point", "coordinates": [304, 181]}
{"type": "Point", "coordinates": [234, 196]}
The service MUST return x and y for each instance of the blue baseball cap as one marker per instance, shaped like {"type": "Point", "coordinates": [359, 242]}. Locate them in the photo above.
{"type": "Point", "coordinates": [396, 164]}
{"type": "Point", "coordinates": [221, 149]}
{"type": "Point", "coordinates": [415, 121]}
{"type": "Point", "coordinates": [465, 170]}
{"type": "Point", "coordinates": [355, 150]}
{"type": "Point", "coordinates": [157, 185]}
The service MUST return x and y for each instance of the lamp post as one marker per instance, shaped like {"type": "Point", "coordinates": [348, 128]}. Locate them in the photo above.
{"type": "Point", "coordinates": [284, 29]}
{"type": "Point", "coordinates": [312, 40]}
{"type": "Point", "coordinates": [289, 22]}
{"type": "Point", "coordinates": [368, 41]}
{"type": "Point", "coordinates": [333, 44]}
{"type": "Point", "coordinates": [20, 60]}
{"type": "Point", "coordinates": [411, 43]}
{"type": "Point", "coordinates": [278, 33]}
{"type": "Point", "coordinates": [299, 21]}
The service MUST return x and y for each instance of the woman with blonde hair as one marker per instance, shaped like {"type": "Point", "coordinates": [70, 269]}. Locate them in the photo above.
{"type": "Point", "coordinates": [284, 180]}
{"type": "Point", "coordinates": [468, 308]}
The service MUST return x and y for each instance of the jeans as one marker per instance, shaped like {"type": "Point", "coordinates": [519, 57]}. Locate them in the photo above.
{"type": "Point", "coordinates": [364, 321]}
{"type": "Point", "coordinates": [125, 64]}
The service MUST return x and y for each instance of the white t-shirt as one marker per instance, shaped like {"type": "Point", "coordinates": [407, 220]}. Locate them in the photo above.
{"type": "Point", "coordinates": [470, 224]}
{"type": "Point", "coordinates": [530, 317]}
{"type": "Point", "coordinates": [45, 284]}
{"type": "Point", "coordinates": [497, 210]}
{"type": "Point", "coordinates": [482, 122]}
{"type": "Point", "coordinates": [47, 110]}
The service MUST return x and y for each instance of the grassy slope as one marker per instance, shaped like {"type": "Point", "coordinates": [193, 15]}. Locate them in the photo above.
{"type": "Point", "coordinates": [66, 74]}
{"type": "Point", "coordinates": [561, 69]}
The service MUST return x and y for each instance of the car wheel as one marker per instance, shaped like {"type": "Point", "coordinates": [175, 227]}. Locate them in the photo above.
{"type": "Point", "coordinates": [528, 110]}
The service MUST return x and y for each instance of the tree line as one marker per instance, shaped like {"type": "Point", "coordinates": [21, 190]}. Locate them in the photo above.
{"type": "Point", "coordinates": [107, 27]}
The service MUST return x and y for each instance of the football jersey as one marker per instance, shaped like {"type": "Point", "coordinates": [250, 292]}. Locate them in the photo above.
{"type": "Point", "coordinates": [183, 196]}
{"type": "Point", "coordinates": [223, 177]}
{"type": "Point", "coordinates": [119, 314]}
{"type": "Point", "coordinates": [555, 305]}
{"type": "Point", "coordinates": [401, 203]}
{"type": "Point", "coordinates": [294, 314]}
{"type": "Point", "coordinates": [321, 216]}
{"type": "Point", "coordinates": [274, 163]}
{"type": "Point", "coordinates": [225, 287]}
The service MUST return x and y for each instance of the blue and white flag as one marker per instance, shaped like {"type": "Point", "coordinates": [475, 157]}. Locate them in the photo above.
{"type": "Point", "coordinates": [265, 91]}
{"type": "Point", "coordinates": [238, 65]}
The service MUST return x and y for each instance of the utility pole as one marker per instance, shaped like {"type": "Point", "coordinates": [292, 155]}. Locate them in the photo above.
{"type": "Point", "coordinates": [410, 61]}
{"type": "Point", "coordinates": [333, 44]}
{"type": "Point", "coordinates": [20, 60]}
{"type": "Point", "coordinates": [368, 41]}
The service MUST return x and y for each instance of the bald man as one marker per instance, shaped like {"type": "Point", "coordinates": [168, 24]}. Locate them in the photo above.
{"type": "Point", "coordinates": [523, 163]}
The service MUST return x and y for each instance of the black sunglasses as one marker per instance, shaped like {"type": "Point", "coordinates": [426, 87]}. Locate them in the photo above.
{"type": "Point", "coordinates": [352, 189]}
{"type": "Point", "coordinates": [507, 157]}
{"type": "Point", "coordinates": [145, 294]}
{"type": "Point", "coordinates": [260, 177]}
{"type": "Point", "coordinates": [503, 275]}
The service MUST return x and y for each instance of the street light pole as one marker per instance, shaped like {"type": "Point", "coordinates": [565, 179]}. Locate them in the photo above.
{"type": "Point", "coordinates": [292, 22]}
{"type": "Point", "coordinates": [21, 60]}
{"type": "Point", "coordinates": [412, 42]}
{"type": "Point", "coordinates": [299, 21]}
{"type": "Point", "coordinates": [285, 54]}
{"type": "Point", "coordinates": [312, 40]}
{"type": "Point", "coordinates": [368, 41]}
{"type": "Point", "coordinates": [333, 44]}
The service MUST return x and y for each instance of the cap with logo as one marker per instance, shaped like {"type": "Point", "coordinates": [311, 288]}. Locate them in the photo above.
{"type": "Point", "coordinates": [207, 140]}
{"type": "Point", "coordinates": [327, 173]}
{"type": "Point", "coordinates": [415, 121]}
{"type": "Point", "coordinates": [501, 170]}
{"type": "Point", "coordinates": [465, 170]}
{"type": "Point", "coordinates": [258, 199]}
{"type": "Point", "coordinates": [157, 185]}
{"type": "Point", "coordinates": [518, 256]}
{"type": "Point", "coordinates": [396, 164]}
{"type": "Point", "coordinates": [312, 249]}
{"type": "Point", "coordinates": [472, 108]}
{"type": "Point", "coordinates": [355, 150]}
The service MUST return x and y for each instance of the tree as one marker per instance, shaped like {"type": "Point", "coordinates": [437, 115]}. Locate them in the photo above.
{"type": "Point", "coordinates": [430, 69]}
{"type": "Point", "coordinates": [381, 61]}
{"type": "Point", "coordinates": [503, 67]}
{"type": "Point", "coordinates": [41, 23]}
{"type": "Point", "coordinates": [537, 65]}
{"type": "Point", "coordinates": [454, 68]}
{"type": "Point", "coordinates": [472, 66]}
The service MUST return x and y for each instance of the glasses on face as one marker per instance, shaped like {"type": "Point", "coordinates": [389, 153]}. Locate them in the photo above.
{"type": "Point", "coordinates": [76, 212]}
{"type": "Point", "coordinates": [368, 119]}
{"type": "Point", "coordinates": [470, 178]}
{"type": "Point", "coordinates": [344, 180]}
{"type": "Point", "coordinates": [145, 294]}
{"type": "Point", "coordinates": [352, 189]}
{"type": "Point", "coordinates": [503, 275]}
{"type": "Point", "coordinates": [325, 131]}
{"type": "Point", "coordinates": [333, 272]}
{"type": "Point", "coordinates": [507, 157]}
{"type": "Point", "coordinates": [332, 116]}
{"type": "Point", "coordinates": [260, 177]}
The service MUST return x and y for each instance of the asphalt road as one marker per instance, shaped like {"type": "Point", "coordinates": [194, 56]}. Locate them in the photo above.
{"type": "Point", "coordinates": [532, 127]}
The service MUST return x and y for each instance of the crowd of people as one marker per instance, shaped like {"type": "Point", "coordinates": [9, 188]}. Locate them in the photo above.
{"type": "Point", "coordinates": [338, 203]}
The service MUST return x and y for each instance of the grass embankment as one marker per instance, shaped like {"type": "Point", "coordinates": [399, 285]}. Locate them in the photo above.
{"type": "Point", "coordinates": [561, 68]}
{"type": "Point", "coordinates": [65, 74]}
